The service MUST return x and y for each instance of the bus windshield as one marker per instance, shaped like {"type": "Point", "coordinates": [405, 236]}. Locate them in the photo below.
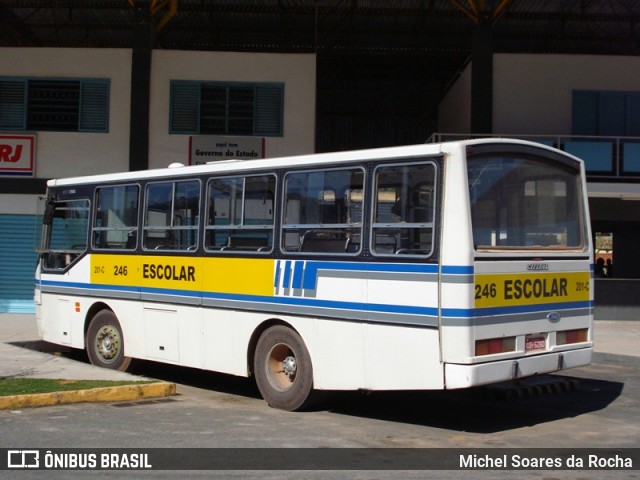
{"type": "Point", "coordinates": [524, 202]}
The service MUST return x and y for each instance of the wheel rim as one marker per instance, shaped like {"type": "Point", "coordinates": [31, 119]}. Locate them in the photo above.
{"type": "Point", "coordinates": [107, 343]}
{"type": "Point", "coordinates": [282, 367]}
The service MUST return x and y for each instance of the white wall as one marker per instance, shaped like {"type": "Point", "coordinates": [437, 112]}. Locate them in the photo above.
{"type": "Point", "coordinates": [64, 154]}
{"type": "Point", "coordinates": [296, 71]}
{"type": "Point", "coordinates": [532, 94]}
{"type": "Point", "coordinates": [61, 154]}
{"type": "Point", "coordinates": [18, 204]}
{"type": "Point", "coordinates": [454, 111]}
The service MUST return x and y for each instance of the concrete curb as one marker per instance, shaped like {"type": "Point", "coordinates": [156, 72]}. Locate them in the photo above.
{"type": "Point", "coordinates": [94, 395]}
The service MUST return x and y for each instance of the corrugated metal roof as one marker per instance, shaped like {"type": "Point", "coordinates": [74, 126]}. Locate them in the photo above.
{"type": "Point", "coordinates": [426, 26]}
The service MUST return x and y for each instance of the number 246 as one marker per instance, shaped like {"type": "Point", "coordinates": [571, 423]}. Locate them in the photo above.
{"type": "Point", "coordinates": [120, 270]}
{"type": "Point", "coordinates": [488, 290]}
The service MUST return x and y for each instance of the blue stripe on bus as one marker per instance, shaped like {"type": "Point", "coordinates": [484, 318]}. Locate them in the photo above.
{"type": "Point", "coordinates": [312, 268]}
{"type": "Point", "coordinates": [493, 311]}
{"type": "Point", "coordinates": [256, 299]}
{"type": "Point", "coordinates": [330, 304]}
{"type": "Point", "coordinates": [298, 272]}
{"type": "Point", "coordinates": [89, 286]}
{"type": "Point", "coordinates": [457, 270]}
{"type": "Point", "coordinates": [276, 281]}
{"type": "Point", "coordinates": [287, 274]}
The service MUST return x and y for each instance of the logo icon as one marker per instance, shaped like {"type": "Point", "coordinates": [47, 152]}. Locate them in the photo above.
{"type": "Point", "coordinates": [23, 459]}
{"type": "Point", "coordinates": [537, 267]}
{"type": "Point", "coordinates": [553, 317]}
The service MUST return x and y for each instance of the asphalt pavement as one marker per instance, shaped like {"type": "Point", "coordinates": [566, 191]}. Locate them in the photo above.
{"type": "Point", "coordinates": [23, 355]}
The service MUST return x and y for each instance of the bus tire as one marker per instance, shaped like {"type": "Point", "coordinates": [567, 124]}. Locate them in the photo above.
{"type": "Point", "coordinates": [105, 342]}
{"type": "Point", "coordinates": [283, 370]}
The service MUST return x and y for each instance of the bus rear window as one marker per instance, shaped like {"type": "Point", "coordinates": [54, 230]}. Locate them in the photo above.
{"type": "Point", "coordinates": [525, 202]}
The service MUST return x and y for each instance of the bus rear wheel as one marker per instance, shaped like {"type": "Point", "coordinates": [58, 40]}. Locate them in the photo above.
{"type": "Point", "coordinates": [283, 369]}
{"type": "Point", "coordinates": [105, 342]}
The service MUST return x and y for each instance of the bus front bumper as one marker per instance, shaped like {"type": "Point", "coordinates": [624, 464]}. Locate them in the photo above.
{"type": "Point", "coordinates": [464, 376]}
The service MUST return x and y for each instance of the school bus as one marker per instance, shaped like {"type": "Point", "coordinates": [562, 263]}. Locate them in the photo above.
{"type": "Point", "coordinates": [435, 266]}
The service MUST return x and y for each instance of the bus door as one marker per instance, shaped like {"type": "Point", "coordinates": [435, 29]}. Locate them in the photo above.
{"type": "Point", "coordinates": [65, 237]}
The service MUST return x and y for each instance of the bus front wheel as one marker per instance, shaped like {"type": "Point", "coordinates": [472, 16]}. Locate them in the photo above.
{"type": "Point", "coordinates": [283, 369]}
{"type": "Point", "coordinates": [105, 342]}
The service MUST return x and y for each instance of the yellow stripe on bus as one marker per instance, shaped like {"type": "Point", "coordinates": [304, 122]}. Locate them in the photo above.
{"type": "Point", "coordinates": [505, 290]}
{"type": "Point", "coordinates": [122, 270]}
{"type": "Point", "coordinates": [247, 276]}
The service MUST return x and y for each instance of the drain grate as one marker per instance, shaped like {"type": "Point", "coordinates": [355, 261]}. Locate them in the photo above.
{"type": "Point", "coordinates": [143, 402]}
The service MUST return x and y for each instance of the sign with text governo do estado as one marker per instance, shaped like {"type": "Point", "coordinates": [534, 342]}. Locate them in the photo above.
{"type": "Point", "coordinates": [210, 148]}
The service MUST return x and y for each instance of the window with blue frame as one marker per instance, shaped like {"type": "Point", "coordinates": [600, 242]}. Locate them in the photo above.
{"type": "Point", "coordinates": [606, 114]}
{"type": "Point", "coordinates": [56, 105]}
{"type": "Point", "coordinates": [223, 108]}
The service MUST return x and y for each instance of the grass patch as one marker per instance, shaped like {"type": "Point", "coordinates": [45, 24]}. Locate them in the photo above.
{"type": "Point", "coordinates": [28, 386]}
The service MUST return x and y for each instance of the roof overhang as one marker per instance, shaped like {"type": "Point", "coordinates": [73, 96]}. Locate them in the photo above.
{"type": "Point", "coordinates": [620, 191]}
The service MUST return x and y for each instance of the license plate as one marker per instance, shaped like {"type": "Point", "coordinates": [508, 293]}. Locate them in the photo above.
{"type": "Point", "coordinates": [535, 343]}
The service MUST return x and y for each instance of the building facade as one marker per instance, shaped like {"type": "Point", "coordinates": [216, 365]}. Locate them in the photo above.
{"type": "Point", "coordinates": [67, 112]}
{"type": "Point", "coordinates": [589, 106]}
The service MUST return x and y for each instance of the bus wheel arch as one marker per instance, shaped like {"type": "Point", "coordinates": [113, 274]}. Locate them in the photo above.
{"type": "Point", "coordinates": [255, 336]}
{"type": "Point", "coordinates": [93, 310]}
{"type": "Point", "coordinates": [104, 339]}
{"type": "Point", "coordinates": [282, 367]}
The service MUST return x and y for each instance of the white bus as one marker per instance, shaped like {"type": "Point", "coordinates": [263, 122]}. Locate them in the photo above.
{"type": "Point", "coordinates": [436, 266]}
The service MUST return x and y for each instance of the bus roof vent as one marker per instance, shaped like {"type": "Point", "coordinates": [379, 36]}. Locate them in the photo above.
{"type": "Point", "coordinates": [176, 165]}
{"type": "Point", "coordinates": [226, 160]}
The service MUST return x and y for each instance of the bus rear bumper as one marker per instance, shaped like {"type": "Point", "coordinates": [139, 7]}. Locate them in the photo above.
{"type": "Point", "coordinates": [464, 376]}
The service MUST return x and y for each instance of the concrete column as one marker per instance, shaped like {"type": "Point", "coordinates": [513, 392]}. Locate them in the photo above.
{"type": "Point", "coordinates": [140, 91]}
{"type": "Point", "coordinates": [482, 76]}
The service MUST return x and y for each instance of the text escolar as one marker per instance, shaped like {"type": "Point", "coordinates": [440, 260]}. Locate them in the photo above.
{"type": "Point", "coordinates": [181, 273]}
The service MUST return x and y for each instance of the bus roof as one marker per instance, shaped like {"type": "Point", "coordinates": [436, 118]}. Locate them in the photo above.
{"type": "Point", "coordinates": [270, 164]}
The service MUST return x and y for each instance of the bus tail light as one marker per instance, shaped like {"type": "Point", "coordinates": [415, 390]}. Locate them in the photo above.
{"type": "Point", "coordinates": [571, 336]}
{"type": "Point", "coordinates": [495, 345]}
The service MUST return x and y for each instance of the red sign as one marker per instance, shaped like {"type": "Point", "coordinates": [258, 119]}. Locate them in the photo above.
{"type": "Point", "coordinates": [17, 155]}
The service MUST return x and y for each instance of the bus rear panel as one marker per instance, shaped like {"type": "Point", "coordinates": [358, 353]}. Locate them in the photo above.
{"type": "Point", "coordinates": [530, 300]}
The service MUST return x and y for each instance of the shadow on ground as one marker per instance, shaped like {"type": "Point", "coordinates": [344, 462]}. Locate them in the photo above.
{"type": "Point", "coordinates": [481, 410]}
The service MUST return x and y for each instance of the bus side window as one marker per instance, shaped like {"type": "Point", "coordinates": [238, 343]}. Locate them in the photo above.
{"type": "Point", "coordinates": [324, 241]}
{"type": "Point", "coordinates": [157, 236]}
{"type": "Point", "coordinates": [323, 211]}
{"type": "Point", "coordinates": [404, 209]}
{"type": "Point", "coordinates": [292, 239]}
{"type": "Point", "coordinates": [172, 216]}
{"type": "Point", "coordinates": [240, 216]}
{"type": "Point", "coordinates": [115, 223]}
{"type": "Point", "coordinates": [66, 235]}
